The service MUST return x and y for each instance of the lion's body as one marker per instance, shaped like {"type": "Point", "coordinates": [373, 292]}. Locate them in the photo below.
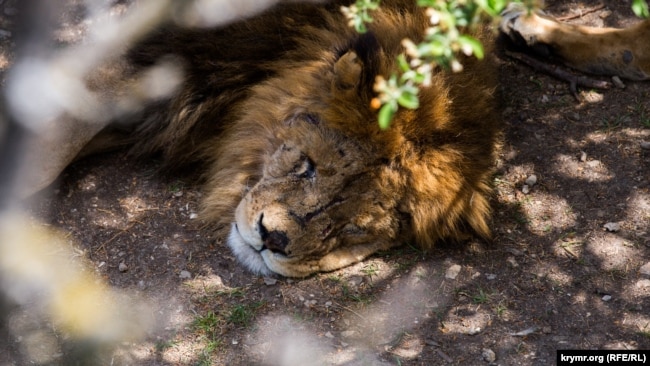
{"type": "Point", "coordinates": [275, 111]}
{"type": "Point", "coordinates": [602, 51]}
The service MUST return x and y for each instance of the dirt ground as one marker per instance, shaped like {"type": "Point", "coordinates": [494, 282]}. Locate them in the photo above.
{"type": "Point", "coordinates": [553, 278]}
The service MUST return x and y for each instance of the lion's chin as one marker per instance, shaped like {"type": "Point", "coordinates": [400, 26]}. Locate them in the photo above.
{"type": "Point", "coordinates": [264, 262]}
{"type": "Point", "coordinates": [246, 254]}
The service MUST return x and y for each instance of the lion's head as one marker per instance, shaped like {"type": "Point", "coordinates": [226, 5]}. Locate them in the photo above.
{"type": "Point", "coordinates": [308, 182]}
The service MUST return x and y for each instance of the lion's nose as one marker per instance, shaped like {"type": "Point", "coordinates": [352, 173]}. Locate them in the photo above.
{"type": "Point", "coordinates": [276, 241]}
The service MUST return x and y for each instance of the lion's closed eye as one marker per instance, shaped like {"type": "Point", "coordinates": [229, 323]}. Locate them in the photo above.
{"type": "Point", "coordinates": [305, 169]}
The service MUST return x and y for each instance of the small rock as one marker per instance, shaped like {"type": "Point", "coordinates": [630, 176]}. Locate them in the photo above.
{"type": "Point", "coordinates": [544, 98]}
{"type": "Point", "coordinates": [525, 189]}
{"type": "Point", "coordinates": [593, 164]}
{"type": "Point", "coordinates": [583, 156]}
{"type": "Point", "coordinates": [474, 331]}
{"type": "Point", "coordinates": [618, 82]}
{"type": "Point", "coordinates": [606, 298]}
{"type": "Point", "coordinates": [612, 227]}
{"type": "Point", "coordinates": [488, 355]}
{"type": "Point", "coordinates": [491, 276]}
{"type": "Point", "coordinates": [123, 267]}
{"type": "Point", "coordinates": [270, 281]}
{"type": "Point", "coordinates": [355, 281]}
{"type": "Point", "coordinates": [329, 335]}
{"type": "Point", "coordinates": [512, 262]}
{"type": "Point", "coordinates": [185, 275]}
{"type": "Point", "coordinates": [348, 333]}
{"type": "Point", "coordinates": [645, 283]}
{"type": "Point", "coordinates": [645, 145]}
{"type": "Point", "coordinates": [515, 252]}
{"type": "Point", "coordinates": [431, 342]}
{"type": "Point", "coordinates": [193, 216]}
{"type": "Point", "coordinates": [178, 194]}
{"type": "Point", "coordinates": [574, 117]}
{"type": "Point", "coordinates": [645, 269]}
{"type": "Point", "coordinates": [452, 272]}
{"type": "Point", "coordinates": [531, 180]}
{"type": "Point", "coordinates": [525, 332]}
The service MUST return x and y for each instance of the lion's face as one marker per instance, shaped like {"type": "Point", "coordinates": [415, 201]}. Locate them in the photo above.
{"type": "Point", "coordinates": [318, 205]}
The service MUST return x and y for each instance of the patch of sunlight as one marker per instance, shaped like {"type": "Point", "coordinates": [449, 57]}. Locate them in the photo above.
{"type": "Point", "coordinates": [132, 209]}
{"type": "Point", "coordinates": [570, 245]}
{"type": "Point", "coordinates": [473, 321]}
{"type": "Point", "coordinates": [589, 170]}
{"type": "Point", "coordinates": [614, 252]}
{"type": "Point", "coordinates": [208, 284]}
{"type": "Point", "coordinates": [135, 207]}
{"type": "Point", "coordinates": [280, 340]}
{"type": "Point", "coordinates": [551, 271]}
{"type": "Point", "coordinates": [638, 210]}
{"type": "Point", "coordinates": [548, 213]}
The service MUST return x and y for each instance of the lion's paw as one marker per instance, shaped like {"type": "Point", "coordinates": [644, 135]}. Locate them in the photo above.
{"type": "Point", "coordinates": [521, 24]}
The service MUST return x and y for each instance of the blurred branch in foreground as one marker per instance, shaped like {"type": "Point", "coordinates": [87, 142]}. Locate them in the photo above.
{"type": "Point", "coordinates": [50, 104]}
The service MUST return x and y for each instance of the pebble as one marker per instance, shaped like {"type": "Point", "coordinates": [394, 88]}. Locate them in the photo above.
{"type": "Point", "coordinates": [431, 342]}
{"type": "Point", "coordinates": [329, 335]}
{"type": "Point", "coordinates": [606, 298]}
{"type": "Point", "coordinates": [512, 262]}
{"type": "Point", "coordinates": [491, 276]}
{"type": "Point", "coordinates": [348, 333]}
{"type": "Point", "coordinates": [618, 82]}
{"type": "Point", "coordinates": [645, 145]}
{"type": "Point", "coordinates": [452, 272]}
{"type": "Point", "coordinates": [525, 189]}
{"type": "Point", "coordinates": [270, 281]}
{"type": "Point", "coordinates": [193, 216]}
{"type": "Point", "coordinates": [123, 267]}
{"type": "Point", "coordinates": [645, 269]}
{"type": "Point", "coordinates": [583, 156]}
{"type": "Point", "coordinates": [185, 275]}
{"type": "Point", "coordinates": [524, 332]}
{"type": "Point", "coordinates": [488, 355]}
{"type": "Point", "coordinates": [612, 227]}
{"type": "Point", "coordinates": [531, 180]}
{"type": "Point", "coordinates": [645, 283]}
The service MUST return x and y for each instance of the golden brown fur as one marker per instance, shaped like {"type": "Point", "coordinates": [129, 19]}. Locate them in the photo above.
{"type": "Point", "coordinates": [604, 51]}
{"type": "Point", "coordinates": [268, 111]}
{"type": "Point", "coordinates": [276, 111]}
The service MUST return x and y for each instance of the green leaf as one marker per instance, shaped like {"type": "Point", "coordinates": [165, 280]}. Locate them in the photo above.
{"type": "Point", "coordinates": [474, 44]}
{"type": "Point", "coordinates": [386, 114]}
{"type": "Point", "coordinates": [640, 8]}
{"type": "Point", "coordinates": [408, 100]}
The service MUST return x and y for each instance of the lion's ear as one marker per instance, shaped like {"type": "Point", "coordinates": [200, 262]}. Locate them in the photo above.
{"type": "Point", "coordinates": [357, 68]}
{"type": "Point", "coordinates": [347, 71]}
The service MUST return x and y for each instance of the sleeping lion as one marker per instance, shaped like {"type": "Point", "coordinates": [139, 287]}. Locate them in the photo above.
{"type": "Point", "coordinates": [276, 113]}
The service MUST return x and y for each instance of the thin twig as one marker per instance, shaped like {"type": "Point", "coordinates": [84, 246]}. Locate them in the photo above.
{"type": "Point", "coordinates": [581, 13]}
